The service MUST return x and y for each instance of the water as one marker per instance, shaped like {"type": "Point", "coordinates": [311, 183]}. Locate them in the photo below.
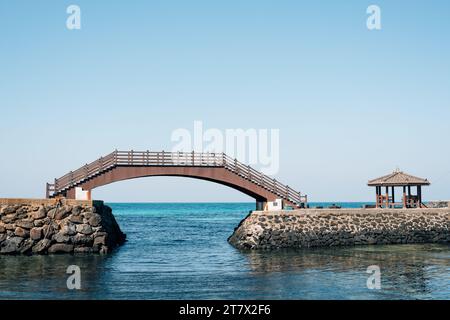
{"type": "Point", "coordinates": [180, 251]}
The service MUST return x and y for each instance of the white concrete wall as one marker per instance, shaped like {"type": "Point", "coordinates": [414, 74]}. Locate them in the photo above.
{"type": "Point", "coordinates": [275, 205]}
{"type": "Point", "coordinates": [80, 194]}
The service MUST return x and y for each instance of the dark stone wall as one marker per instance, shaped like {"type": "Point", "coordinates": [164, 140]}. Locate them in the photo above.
{"type": "Point", "coordinates": [341, 227]}
{"type": "Point", "coordinates": [58, 227]}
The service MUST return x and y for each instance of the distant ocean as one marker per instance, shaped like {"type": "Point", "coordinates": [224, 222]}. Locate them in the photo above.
{"type": "Point", "coordinates": [180, 251]}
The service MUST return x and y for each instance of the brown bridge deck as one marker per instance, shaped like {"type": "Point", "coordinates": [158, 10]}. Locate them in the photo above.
{"type": "Point", "coordinates": [218, 168]}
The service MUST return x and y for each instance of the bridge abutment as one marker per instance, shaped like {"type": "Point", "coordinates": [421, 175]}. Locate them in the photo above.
{"type": "Point", "coordinates": [79, 194]}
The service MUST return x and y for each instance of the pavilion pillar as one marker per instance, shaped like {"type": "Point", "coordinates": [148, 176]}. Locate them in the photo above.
{"type": "Point", "coordinates": [409, 194]}
{"type": "Point", "coordinates": [404, 197]}
{"type": "Point", "coordinates": [419, 195]}
{"type": "Point", "coordinates": [393, 195]}
{"type": "Point", "coordinates": [377, 198]}
{"type": "Point", "coordinates": [387, 197]}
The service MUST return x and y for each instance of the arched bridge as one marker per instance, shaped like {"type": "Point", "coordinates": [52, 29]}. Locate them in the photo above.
{"type": "Point", "coordinates": [218, 168]}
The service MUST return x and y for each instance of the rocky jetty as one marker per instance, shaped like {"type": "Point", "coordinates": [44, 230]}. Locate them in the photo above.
{"type": "Point", "coordinates": [58, 227]}
{"type": "Point", "coordinates": [341, 227]}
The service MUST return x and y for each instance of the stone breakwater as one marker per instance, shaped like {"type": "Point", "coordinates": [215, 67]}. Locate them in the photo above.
{"type": "Point", "coordinates": [341, 227]}
{"type": "Point", "coordinates": [47, 227]}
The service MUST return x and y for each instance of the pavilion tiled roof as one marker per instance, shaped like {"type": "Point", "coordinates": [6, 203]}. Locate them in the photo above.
{"type": "Point", "coordinates": [399, 178]}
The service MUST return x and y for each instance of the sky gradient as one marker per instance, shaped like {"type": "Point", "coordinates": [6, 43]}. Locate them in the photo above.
{"type": "Point", "coordinates": [351, 104]}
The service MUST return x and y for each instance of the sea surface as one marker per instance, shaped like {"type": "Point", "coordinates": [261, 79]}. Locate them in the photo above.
{"type": "Point", "coordinates": [180, 251]}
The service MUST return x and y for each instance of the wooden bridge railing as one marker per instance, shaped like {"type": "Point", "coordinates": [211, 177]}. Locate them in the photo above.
{"type": "Point", "coordinates": [192, 159]}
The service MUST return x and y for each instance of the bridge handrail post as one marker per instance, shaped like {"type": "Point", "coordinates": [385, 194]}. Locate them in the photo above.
{"type": "Point", "coordinates": [193, 158]}
{"type": "Point", "coordinates": [115, 157]}
{"type": "Point", "coordinates": [163, 157]}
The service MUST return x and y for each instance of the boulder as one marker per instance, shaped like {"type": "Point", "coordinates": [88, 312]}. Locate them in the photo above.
{"type": "Point", "coordinates": [95, 220]}
{"type": "Point", "coordinates": [76, 219]}
{"type": "Point", "coordinates": [21, 232]}
{"type": "Point", "coordinates": [62, 213]}
{"type": "Point", "coordinates": [26, 246]}
{"type": "Point", "coordinates": [51, 213]}
{"type": "Point", "coordinates": [11, 245]}
{"type": "Point", "coordinates": [36, 234]}
{"type": "Point", "coordinates": [9, 226]}
{"type": "Point", "coordinates": [61, 237]}
{"type": "Point", "coordinates": [48, 231]}
{"type": "Point", "coordinates": [39, 223]}
{"type": "Point", "coordinates": [25, 224]}
{"type": "Point", "coordinates": [76, 211]}
{"type": "Point", "coordinates": [84, 229]}
{"type": "Point", "coordinates": [100, 240]}
{"type": "Point", "coordinates": [88, 210]}
{"type": "Point", "coordinates": [22, 211]}
{"type": "Point", "coordinates": [41, 246]}
{"type": "Point", "coordinates": [2, 229]}
{"type": "Point", "coordinates": [9, 209]}
{"type": "Point", "coordinates": [81, 239]}
{"type": "Point", "coordinates": [69, 229]}
{"type": "Point", "coordinates": [61, 248]}
{"type": "Point", "coordinates": [10, 218]}
{"type": "Point", "coordinates": [39, 214]}
{"type": "Point", "coordinates": [82, 250]}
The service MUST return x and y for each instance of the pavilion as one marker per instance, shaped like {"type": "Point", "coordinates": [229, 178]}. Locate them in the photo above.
{"type": "Point", "coordinates": [398, 179]}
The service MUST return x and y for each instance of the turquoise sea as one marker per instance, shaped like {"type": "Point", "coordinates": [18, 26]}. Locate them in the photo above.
{"type": "Point", "coordinates": [180, 251]}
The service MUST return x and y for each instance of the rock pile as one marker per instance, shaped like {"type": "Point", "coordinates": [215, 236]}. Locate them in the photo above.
{"type": "Point", "coordinates": [41, 229]}
{"type": "Point", "coordinates": [345, 227]}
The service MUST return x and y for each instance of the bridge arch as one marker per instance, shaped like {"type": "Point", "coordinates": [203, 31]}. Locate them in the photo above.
{"type": "Point", "coordinates": [119, 166]}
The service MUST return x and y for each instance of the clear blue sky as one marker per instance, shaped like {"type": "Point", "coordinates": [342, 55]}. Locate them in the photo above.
{"type": "Point", "coordinates": [351, 104]}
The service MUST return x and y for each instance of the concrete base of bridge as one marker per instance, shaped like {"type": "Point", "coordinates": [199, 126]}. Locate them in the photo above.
{"type": "Point", "coordinates": [79, 194]}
